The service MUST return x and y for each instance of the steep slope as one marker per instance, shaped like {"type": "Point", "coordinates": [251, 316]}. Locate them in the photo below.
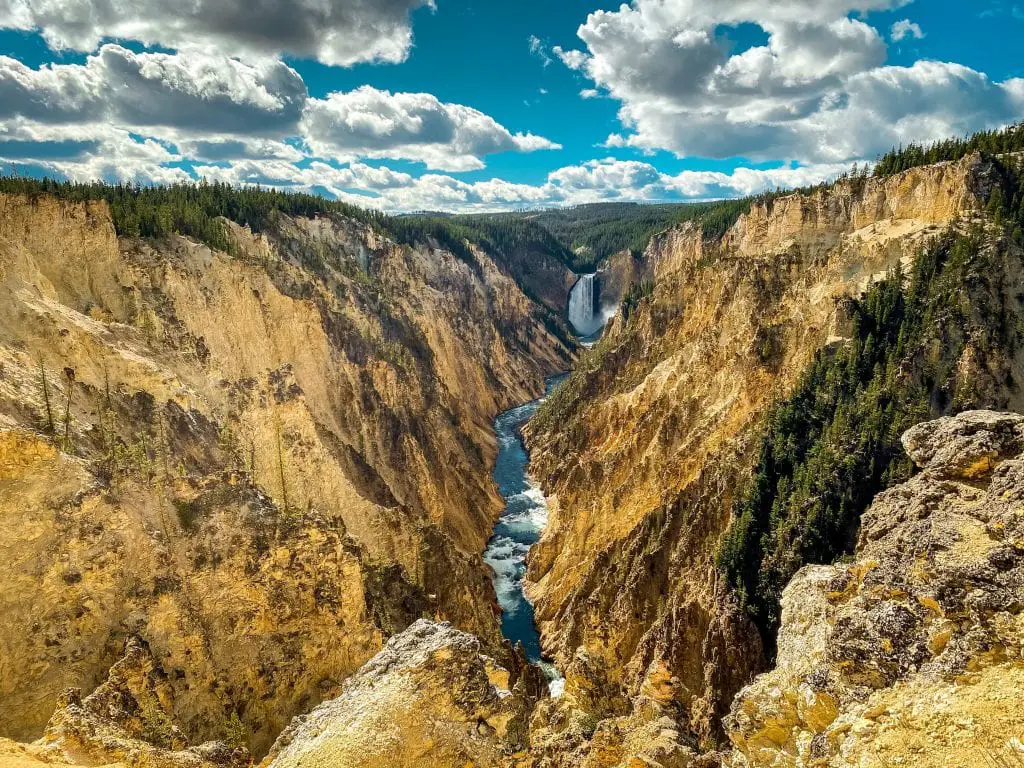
{"type": "Point", "coordinates": [648, 446]}
{"type": "Point", "coordinates": [912, 653]}
{"type": "Point", "coordinates": [264, 464]}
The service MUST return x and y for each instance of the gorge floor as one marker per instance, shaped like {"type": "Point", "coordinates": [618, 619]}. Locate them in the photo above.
{"type": "Point", "coordinates": [517, 529]}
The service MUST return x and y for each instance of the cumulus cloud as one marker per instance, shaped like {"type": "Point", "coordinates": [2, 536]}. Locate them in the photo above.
{"type": "Point", "coordinates": [315, 175]}
{"type": "Point", "coordinates": [197, 92]}
{"type": "Point", "coordinates": [817, 91]}
{"type": "Point", "coordinates": [368, 122]}
{"type": "Point", "coordinates": [338, 32]}
{"type": "Point", "coordinates": [906, 28]}
{"type": "Point", "coordinates": [594, 181]}
{"type": "Point", "coordinates": [571, 59]}
{"type": "Point", "coordinates": [103, 153]}
{"type": "Point", "coordinates": [216, 109]}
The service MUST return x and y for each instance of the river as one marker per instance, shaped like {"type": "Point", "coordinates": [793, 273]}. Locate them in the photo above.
{"type": "Point", "coordinates": [518, 528]}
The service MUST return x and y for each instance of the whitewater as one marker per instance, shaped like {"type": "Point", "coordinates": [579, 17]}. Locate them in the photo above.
{"type": "Point", "coordinates": [518, 528]}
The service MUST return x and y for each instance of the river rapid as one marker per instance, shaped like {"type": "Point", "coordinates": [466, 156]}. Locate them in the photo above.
{"type": "Point", "coordinates": [518, 528]}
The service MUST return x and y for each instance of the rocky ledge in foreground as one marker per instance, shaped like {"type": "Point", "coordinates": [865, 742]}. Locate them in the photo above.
{"type": "Point", "coordinates": [912, 654]}
{"type": "Point", "coordinates": [431, 699]}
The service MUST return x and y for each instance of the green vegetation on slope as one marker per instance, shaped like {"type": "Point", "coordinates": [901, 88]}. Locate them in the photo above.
{"type": "Point", "coordinates": [198, 210]}
{"type": "Point", "coordinates": [638, 291]}
{"type": "Point", "coordinates": [1010, 139]}
{"type": "Point", "coordinates": [193, 210]}
{"type": "Point", "coordinates": [834, 443]}
{"type": "Point", "coordinates": [579, 237]}
{"type": "Point", "coordinates": [591, 233]}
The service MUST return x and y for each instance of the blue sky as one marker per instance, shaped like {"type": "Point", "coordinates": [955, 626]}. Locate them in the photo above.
{"type": "Point", "coordinates": [463, 105]}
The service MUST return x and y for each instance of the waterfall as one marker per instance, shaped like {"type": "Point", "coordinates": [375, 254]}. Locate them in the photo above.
{"type": "Point", "coordinates": [583, 305]}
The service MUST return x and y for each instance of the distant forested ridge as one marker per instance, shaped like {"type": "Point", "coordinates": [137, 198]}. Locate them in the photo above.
{"type": "Point", "coordinates": [593, 232]}
{"type": "Point", "coordinates": [193, 210]}
{"type": "Point", "coordinates": [580, 237]}
{"type": "Point", "coordinates": [196, 209]}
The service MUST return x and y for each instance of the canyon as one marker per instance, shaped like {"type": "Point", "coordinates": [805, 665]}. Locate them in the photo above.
{"type": "Point", "coordinates": [254, 502]}
{"type": "Point", "coordinates": [642, 453]}
{"type": "Point", "coordinates": [262, 465]}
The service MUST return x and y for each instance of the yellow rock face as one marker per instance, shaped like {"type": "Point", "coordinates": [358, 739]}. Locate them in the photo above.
{"type": "Point", "coordinates": [925, 675]}
{"type": "Point", "coordinates": [429, 699]}
{"type": "Point", "coordinates": [642, 467]}
{"type": "Point", "coordinates": [263, 464]}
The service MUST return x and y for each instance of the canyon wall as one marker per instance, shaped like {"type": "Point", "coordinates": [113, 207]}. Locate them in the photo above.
{"type": "Point", "coordinates": [644, 450]}
{"type": "Point", "coordinates": [262, 464]}
{"type": "Point", "coordinates": [244, 494]}
{"type": "Point", "coordinates": [909, 654]}
{"type": "Point", "coordinates": [912, 654]}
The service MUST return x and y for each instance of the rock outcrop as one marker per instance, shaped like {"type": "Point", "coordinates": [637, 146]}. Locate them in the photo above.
{"type": "Point", "coordinates": [263, 463]}
{"type": "Point", "coordinates": [642, 454]}
{"type": "Point", "coordinates": [430, 699]}
{"type": "Point", "coordinates": [125, 722]}
{"type": "Point", "coordinates": [913, 654]}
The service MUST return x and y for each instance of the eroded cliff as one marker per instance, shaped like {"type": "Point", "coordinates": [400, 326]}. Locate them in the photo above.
{"type": "Point", "coordinates": [645, 450]}
{"type": "Point", "coordinates": [913, 654]}
{"type": "Point", "coordinates": [263, 464]}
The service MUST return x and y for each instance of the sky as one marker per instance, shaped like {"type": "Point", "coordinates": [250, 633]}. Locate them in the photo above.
{"type": "Point", "coordinates": [466, 105]}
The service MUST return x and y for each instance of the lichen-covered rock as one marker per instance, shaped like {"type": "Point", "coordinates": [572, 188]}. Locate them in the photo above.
{"type": "Point", "coordinates": [914, 653]}
{"type": "Point", "coordinates": [430, 699]}
{"type": "Point", "coordinates": [966, 447]}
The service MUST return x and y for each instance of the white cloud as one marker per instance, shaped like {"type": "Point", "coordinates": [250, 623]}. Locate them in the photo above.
{"type": "Point", "coordinates": [906, 28]}
{"type": "Point", "coordinates": [372, 123]}
{"type": "Point", "coordinates": [216, 109]}
{"type": "Point", "coordinates": [817, 91]}
{"type": "Point", "coordinates": [589, 93]}
{"type": "Point", "coordinates": [196, 93]}
{"type": "Point", "coordinates": [595, 181]}
{"type": "Point", "coordinates": [538, 49]}
{"type": "Point", "coordinates": [317, 174]}
{"type": "Point", "coordinates": [241, 148]}
{"type": "Point", "coordinates": [571, 59]}
{"type": "Point", "coordinates": [102, 153]}
{"type": "Point", "coordinates": [339, 32]}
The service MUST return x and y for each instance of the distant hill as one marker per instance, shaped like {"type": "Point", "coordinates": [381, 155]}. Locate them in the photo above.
{"type": "Point", "coordinates": [593, 232]}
